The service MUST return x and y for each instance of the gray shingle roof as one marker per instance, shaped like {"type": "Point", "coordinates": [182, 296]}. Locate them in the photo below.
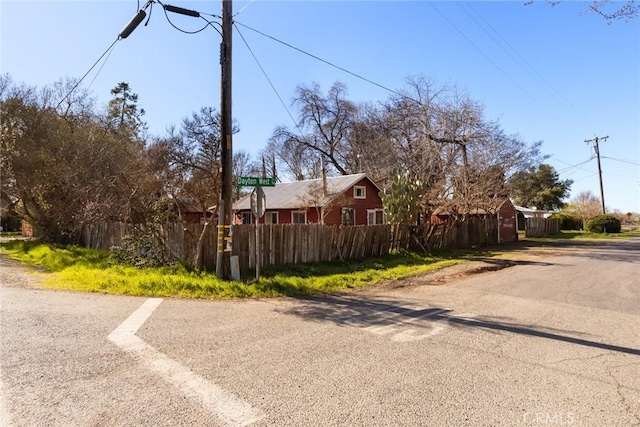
{"type": "Point", "coordinates": [301, 194]}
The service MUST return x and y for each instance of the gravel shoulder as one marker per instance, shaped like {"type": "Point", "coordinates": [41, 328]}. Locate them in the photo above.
{"type": "Point", "coordinates": [13, 274]}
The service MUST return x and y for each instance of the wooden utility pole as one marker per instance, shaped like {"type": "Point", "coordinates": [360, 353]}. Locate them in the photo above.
{"type": "Point", "coordinates": [596, 148]}
{"type": "Point", "coordinates": [223, 259]}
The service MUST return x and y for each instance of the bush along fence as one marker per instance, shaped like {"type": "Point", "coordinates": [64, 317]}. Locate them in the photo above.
{"type": "Point", "coordinates": [540, 227]}
{"type": "Point", "coordinates": [301, 243]}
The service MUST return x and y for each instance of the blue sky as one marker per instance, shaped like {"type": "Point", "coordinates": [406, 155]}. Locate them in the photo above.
{"type": "Point", "coordinates": [546, 73]}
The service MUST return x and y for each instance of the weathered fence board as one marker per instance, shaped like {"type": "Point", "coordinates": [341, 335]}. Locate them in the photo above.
{"type": "Point", "coordinates": [301, 243]}
{"type": "Point", "coordinates": [540, 227]}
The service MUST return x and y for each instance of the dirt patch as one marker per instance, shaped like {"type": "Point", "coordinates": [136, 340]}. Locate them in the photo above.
{"type": "Point", "coordinates": [517, 253]}
{"type": "Point", "coordinates": [438, 277]}
{"type": "Point", "coordinates": [16, 275]}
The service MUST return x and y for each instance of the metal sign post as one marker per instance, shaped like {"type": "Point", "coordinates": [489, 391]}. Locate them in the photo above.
{"type": "Point", "coordinates": [258, 206]}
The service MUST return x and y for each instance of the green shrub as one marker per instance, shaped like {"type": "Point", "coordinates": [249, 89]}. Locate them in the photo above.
{"type": "Point", "coordinates": [603, 224]}
{"type": "Point", "coordinates": [568, 222]}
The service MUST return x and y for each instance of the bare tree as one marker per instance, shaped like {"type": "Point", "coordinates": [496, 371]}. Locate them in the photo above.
{"type": "Point", "coordinates": [324, 126]}
{"type": "Point", "coordinates": [436, 134]}
{"type": "Point", "coordinates": [242, 166]}
{"type": "Point", "coordinates": [610, 10]}
{"type": "Point", "coordinates": [291, 156]}
{"type": "Point", "coordinates": [193, 152]}
{"type": "Point", "coordinates": [584, 206]}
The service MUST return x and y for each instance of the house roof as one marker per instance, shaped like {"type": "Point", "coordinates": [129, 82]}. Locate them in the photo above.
{"type": "Point", "coordinates": [302, 194]}
{"type": "Point", "coordinates": [188, 204]}
{"type": "Point", "coordinates": [529, 212]}
{"type": "Point", "coordinates": [475, 211]}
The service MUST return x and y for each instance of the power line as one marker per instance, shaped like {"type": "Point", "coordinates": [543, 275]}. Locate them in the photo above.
{"type": "Point", "coordinates": [242, 10]}
{"type": "Point", "coordinates": [126, 31]}
{"type": "Point", "coordinates": [87, 73]}
{"type": "Point", "coordinates": [326, 62]}
{"type": "Point", "coordinates": [491, 60]}
{"type": "Point", "coordinates": [100, 69]}
{"type": "Point", "coordinates": [631, 162]}
{"type": "Point", "coordinates": [268, 79]}
{"type": "Point", "coordinates": [522, 62]}
{"type": "Point", "coordinates": [574, 168]}
{"type": "Point", "coordinates": [188, 12]}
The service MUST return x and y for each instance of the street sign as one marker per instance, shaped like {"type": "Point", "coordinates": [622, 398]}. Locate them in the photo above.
{"type": "Point", "coordinates": [258, 202]}
{"type": "Point", "coordinates": [254, 181]}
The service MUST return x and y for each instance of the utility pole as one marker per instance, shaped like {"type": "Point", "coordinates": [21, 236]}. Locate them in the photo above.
{"type": "Point", "coordinates": [223, 259]}
{"type": "Point", "coordinates": [596, 148]}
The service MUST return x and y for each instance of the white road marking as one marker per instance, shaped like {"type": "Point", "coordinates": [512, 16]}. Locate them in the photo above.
{"type": "Point", "coordinates": [408, 334]}
{"type": "Point", "coordinates": [227, 407]}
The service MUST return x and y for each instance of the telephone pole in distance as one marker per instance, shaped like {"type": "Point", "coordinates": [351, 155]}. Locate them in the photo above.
{"type": "Point", "coordinates": [596, 148]}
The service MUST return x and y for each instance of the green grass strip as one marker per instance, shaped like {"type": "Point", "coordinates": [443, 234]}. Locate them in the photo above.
{"type": "Point", "coordinates": [89, 270]}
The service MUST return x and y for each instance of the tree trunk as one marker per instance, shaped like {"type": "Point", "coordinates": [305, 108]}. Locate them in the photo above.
{"type": "Point", "coordinates": [198, 259]}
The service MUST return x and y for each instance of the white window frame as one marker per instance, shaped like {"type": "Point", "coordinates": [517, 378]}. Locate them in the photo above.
{"type": "Point", "coordinates": [355, 192]}
{"type": "Point", "coordinates": [353, 210]}
{"type": "Point", "coordinates": [299, 212]}
{"type": "Point", "coordinates": [374, 212]}
{"type": "Point", "coordinates": [269, 217]}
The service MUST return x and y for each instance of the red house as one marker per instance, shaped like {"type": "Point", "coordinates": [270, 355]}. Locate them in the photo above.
{"type": "Point", "coordinates": [341, 200]}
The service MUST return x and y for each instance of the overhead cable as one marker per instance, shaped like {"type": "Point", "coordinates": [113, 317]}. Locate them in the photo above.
{"type": "Point", "coordinates": [327, 62]}
{"type": "Point", "coordinates": [269, 80]}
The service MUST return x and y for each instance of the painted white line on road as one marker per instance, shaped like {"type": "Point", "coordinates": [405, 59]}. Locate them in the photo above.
{"type": "Point", "coordinates": [398, 321]}
{"type": "Point", "coordinates": [227, 407]}
{"type": "Point", "coordinates": [409, 336]}
{"type": "Point", "coordinates": [131, 325]}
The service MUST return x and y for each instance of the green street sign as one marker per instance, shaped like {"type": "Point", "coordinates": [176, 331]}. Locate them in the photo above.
{"type": "Point", "coordinates": [254, 181]}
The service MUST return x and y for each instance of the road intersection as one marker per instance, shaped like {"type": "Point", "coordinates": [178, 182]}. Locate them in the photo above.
{"type": "Point", "coordinates": [550, 342]}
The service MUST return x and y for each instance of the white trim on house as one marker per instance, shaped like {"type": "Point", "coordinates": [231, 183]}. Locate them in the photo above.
{"type": "Point", "coordinates": [343, 216]}
{"type": "Point", "coordinates": [269, 215]}
{"type": "Point", "coordinates": [372, 215]}
{"type": "Point", "coordinates": [298, 213]}
{"type": "Point", "coordinates": [534, 212]}
{"type": "Point", "coordinates": [359, 192]}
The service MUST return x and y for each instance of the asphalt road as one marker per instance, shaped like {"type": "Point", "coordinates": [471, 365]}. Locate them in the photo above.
{"type": "Point", "coordinates": [551, 341]}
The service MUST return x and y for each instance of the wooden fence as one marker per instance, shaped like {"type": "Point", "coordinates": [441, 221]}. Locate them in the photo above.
{"type": "Point", "coordinates": [540, 227]}
{"type": "Point", "coordinates": [301, 243]}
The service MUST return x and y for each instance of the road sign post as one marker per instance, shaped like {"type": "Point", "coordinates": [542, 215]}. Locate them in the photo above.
{"type": "Point", "coordinates": [258, 207]}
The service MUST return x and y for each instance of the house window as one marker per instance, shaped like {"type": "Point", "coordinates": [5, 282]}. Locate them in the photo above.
{"type": "Point", "coordinates": [299, 217]}
{"type": "Point", "coordinates": [246, 217]}
{"type": "Point", "coordinates": [271, 218]}
{"type": "Point", "coordinates": [375, 217]}
{"type": "Point", "coordinates": [348, 216]}
{"type": "Point", "coordinates": [359, 192]}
